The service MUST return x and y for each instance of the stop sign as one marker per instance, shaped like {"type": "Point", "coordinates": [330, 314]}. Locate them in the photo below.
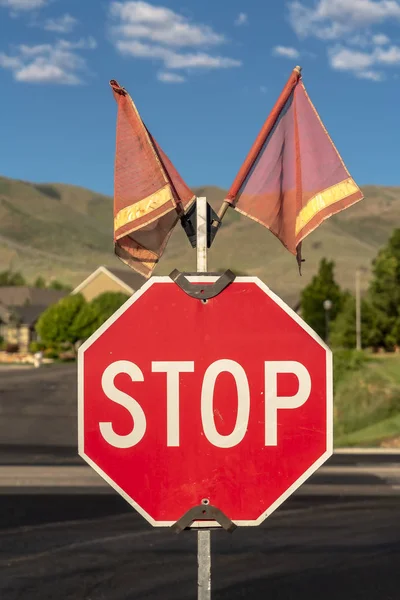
{"type": "Point", "coordinates": [183, 401]}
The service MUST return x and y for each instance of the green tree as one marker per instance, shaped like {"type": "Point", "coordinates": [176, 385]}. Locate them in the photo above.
{"type": "Point", "coordinates": [384, 291]}
{"type": "Point", "coordinates": [57, 285]}
{"type": "Point", "coordinates": [385, 285]}
{"type": "Point", "coordinates": [343, 331]}
{"type": "Point", "coordinates": [56, 325]}
{"type": "Point", "coordinates": [393, 338]}
{"type": "Point", "coordinates": [322, 287]}
{"type": "Point", "coordinates": [10, 278]}
{"type": "Point", "coordinates": [40, 282]}
{"type": "Point", "coordinates": [96, 312]}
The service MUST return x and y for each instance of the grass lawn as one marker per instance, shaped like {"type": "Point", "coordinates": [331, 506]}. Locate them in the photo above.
{"type": "Point", "coordinates": [366, 399]}
{"type": "Point", "coordinates": [372, 435]}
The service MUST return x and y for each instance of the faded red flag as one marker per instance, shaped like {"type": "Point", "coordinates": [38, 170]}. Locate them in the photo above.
{"type": "Point", "coordinates": [293, 177]}
{"type": "Point", "coordinates": [149, 194]}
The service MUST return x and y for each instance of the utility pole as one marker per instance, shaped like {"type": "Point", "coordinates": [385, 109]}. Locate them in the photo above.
{"type": "Point", "coordinates": [358, 310]}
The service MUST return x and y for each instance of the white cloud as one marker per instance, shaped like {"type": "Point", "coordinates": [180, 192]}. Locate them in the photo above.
{"type": "Point", "coordinates": [146, 31]}
{"type": "Point", "coordinates": [140, 20]}
{"type": "Point", "coordinates": [263, 89]}
{"type": "Point", "coordinates": [371, 75]}
{"type": "Point", "coordinates": [176, 60]}
{"type": "Point", "coordinates": [354, 22]}
{"type": "Point", "coordinates": [391, 56]}
{"type": "Point", "coordinates": [286, 52]}
{"type": "Point", "coordinates": [64, 24]}
{"type": "Point", "coordinates": [166, 77]}
{"type": "Point", "coordinates": [343, 59]}
{"type": "Point", "coordinates": [359, 12]}
{"type": "Point", "coordinates": [361, 63]}
{"type": "Point", "coordinates": [57, 63]}
{"type": "Point", "coordinates": [9, 62]}
{"type": "Point", "coordinates": [332, 19]}
{"type": "Point", "coordinates": [88, 43]}
{"type": "Point", "coordinates": [199, 60]}
{"type": "Point", "coordinates": [42, 71]}
{"type": "Point", "coordinates": [380, 39]}
{"type": "Point", "coordinates": [23, 5]}
{"type": "Point", "coordinates": [241, 19]}
{"type": "Point", "coordinates": [365, 40]}
{"type": "Point", "coordinates": [358, 39]}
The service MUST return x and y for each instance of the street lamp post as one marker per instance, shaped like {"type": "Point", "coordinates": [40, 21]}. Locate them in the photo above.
{"type": "Point", "coordinates": [327, 307]}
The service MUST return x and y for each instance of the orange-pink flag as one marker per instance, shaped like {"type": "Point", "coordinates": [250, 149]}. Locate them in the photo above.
{"type": "Point", "coordinates": [293, 177]}
{"type": "Point", "coordinates": [149, 194]}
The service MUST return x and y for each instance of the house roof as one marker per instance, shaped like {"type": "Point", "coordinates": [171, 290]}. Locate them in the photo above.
{"type": "Point", "coordinates": [128, 276]}
{"type": "Point", "coordinates": [128, 279]}
{"type": "Point", "coordinates": [29, 314]}
{"type": "Point", "coordinates": [4, 314]}
{"type": "Point", "coordinates": [23, 295]}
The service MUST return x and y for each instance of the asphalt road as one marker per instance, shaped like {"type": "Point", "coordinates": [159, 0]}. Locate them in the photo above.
{"type": "Point", "coordinates": [38, 420]}
{"type": "Point", "coordinates": [38, 407]}
{"type": "Point", "coordinates": [343, 550]}
{"type": "Point", "coordinates": [324, 542]}
{"type": "Point", "coordinates": [335, 481]}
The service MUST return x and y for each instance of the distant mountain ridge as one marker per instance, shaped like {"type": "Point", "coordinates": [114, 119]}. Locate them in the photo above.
{"type": "Point", "coordinates": [65, 232]}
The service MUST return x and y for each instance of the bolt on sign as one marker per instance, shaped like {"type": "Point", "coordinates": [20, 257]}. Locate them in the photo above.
{"type": "Point", "coordinates": [226, 402]}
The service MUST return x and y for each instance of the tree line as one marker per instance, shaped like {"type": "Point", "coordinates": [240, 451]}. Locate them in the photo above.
{"type": "Point", "coordinates": [380, 307]}
{"type": "Point", "coordinates": [15, 278]}
{"type": "Point", "coordinates": [73, 319]}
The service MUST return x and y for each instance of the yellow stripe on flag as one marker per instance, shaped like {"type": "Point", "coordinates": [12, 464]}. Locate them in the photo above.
{"type": "Point", "coordinates": [143, 207]}
{"type": "Point", "coordinates": [326, 198]}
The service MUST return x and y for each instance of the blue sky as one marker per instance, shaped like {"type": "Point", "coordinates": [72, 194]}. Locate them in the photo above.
{"type": "Point", "coordinates": [204, 76]}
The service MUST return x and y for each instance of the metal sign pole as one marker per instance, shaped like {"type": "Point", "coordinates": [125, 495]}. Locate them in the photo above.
{"type": "Point", "coordinates": [204, 564]}
{"type": "Point", "coordinates": [201, 239]}
{"type": "Point", "coordinates": [203, 536]}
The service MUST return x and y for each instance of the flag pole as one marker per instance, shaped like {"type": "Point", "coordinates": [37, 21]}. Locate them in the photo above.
{"type": "Point", "coordinates": [254, 151]}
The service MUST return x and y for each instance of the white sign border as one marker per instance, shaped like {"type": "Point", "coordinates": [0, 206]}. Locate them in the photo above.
{"type": "Point", "coordinates": [208, 279]}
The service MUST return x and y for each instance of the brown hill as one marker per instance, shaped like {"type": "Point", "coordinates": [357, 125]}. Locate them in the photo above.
{"type": "Point", "coordinates": [64, 232]}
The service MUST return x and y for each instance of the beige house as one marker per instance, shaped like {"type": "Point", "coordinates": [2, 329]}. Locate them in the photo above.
{"type": "Point", "coordinates": [108, 279]}
{"type": "Point", "coordinates": [20, 308]}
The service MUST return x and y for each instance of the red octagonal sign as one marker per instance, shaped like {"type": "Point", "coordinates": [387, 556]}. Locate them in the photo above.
{"type": "Point", "coordinates": [228, 401]}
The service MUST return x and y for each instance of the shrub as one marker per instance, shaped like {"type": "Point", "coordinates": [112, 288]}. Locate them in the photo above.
{"type": "Point", "coordinates": [96, 312]}
{"type": "Point", "coordinates": [51, 353]}
{"type": "Point", "coordinates": [56, 324]}
{"type": "Point", "coordinates": [8, 278]}
{"type": "Point", "coordinates": [347, 361]}
{"type": "Point", "coordinates": [365, 396]}
{"type": "Point", "coordinates": [67, 356]}
{"type": "Point", "coordinates": [36, 347]}
{"type": "Point", "coordinates": [11, 348]}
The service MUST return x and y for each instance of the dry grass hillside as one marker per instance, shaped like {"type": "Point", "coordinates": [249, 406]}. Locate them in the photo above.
{"type": "Point", "coordinates": [64, 232]}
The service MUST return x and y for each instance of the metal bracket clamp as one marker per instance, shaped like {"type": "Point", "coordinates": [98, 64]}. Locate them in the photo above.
{"type": "Point", "coordinates": [203, 512]}
{"type": "Point", "coordinates": [189, 224]}
{"type": "Point", "coordinates": [195, 290]}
